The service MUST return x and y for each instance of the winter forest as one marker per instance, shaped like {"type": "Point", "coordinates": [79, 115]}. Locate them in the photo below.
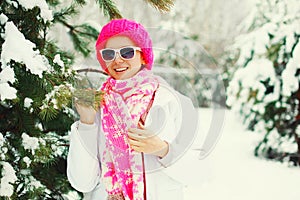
{"type": "Point", "coordinates": [238, 57]}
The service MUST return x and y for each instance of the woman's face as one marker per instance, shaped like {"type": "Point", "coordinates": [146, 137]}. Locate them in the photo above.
{"type": "Point", "coordinates": [119, 68]}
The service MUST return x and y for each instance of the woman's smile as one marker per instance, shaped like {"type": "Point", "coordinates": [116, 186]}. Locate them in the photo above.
{"type": "Point", "coordinates": [121, 69]}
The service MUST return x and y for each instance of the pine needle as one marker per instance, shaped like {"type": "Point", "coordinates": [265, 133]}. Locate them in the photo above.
{"type": "Point", "coordinates": [161, 5]}
{"type": "Point", "coordinates": [109, 9]}
{"type": "Point", "coordinates": [48, 114]}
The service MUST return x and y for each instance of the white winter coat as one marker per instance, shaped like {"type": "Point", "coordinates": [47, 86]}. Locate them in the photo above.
{"type": "Point", "coordinates": [172, 116]}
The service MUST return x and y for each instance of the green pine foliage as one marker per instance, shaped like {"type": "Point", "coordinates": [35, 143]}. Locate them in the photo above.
{"type": "Point", "coordinates": [265, 88]}
{"type": "Point", "coordinates": [163, 6]}
{"type": "Point", "coordinates": [81, 35]}
{"type": "Point", "coordinates": [35, 118]}
{"type": "Point", "coordinates": [109, 9]}
{"type": "Point", "coordinates": [33, 137]}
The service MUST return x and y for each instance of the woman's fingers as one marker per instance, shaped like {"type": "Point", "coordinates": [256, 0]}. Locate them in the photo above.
{"type": "Point", "coordinates": [141, 132]}
{"type": "Point", "coordinates": [143, 140]}
{"type": "Point", "coordinates": [134, 142]}
{"type": "Point", "coordinates": [87, 113]}
{"type": "Point", "coordinates": [135, 145]}
{"type": "Point", "coordinates": [135, 135]}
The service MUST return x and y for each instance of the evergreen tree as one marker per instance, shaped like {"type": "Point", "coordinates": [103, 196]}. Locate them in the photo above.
{"type": "Point", "coordinates": [265, 88]}
{"type": "Point", "coordinates": [36, 90]}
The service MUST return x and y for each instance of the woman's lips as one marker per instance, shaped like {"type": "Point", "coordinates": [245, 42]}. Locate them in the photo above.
{"type": "Point", "coordinates": [122, 69]}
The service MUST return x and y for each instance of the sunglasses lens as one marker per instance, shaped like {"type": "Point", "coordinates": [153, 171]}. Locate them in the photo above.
{"type": "Point", "coordinates": [127, 53]}
{"type": "Point", "coordinates": [108, 54]}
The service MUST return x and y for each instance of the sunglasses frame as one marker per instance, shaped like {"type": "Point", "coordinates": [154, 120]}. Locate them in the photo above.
{"type": "Point", "coordinates": [119, 52]}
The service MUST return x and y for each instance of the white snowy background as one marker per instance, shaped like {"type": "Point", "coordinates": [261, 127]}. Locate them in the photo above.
{"type": "Point", "coordinates": [230, 171]}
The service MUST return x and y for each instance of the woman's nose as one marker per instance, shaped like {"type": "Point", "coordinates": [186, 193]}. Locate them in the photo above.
{"type": "Point", "coordinates": [118, 58]}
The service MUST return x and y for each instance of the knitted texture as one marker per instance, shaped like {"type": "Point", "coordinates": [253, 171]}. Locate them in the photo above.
{"type": "Point", "coordinates": [124, 27]}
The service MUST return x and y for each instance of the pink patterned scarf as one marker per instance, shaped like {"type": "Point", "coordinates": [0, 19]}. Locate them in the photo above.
{"type": "Point", "coordinates": [124, 102]}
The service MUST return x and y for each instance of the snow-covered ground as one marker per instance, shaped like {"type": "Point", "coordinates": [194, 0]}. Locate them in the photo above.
{"type": "Point", "coordinates": [231, 172]}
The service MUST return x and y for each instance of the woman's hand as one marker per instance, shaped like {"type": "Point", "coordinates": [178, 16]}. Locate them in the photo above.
{"type": "Point", "coordinates": [143, 140]}
{"type": "Point", "coordinates": [87, 113]}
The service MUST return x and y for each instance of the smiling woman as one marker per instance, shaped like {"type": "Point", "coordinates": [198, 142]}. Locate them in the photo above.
{"type": "Point", "coordinates": [123, 151]}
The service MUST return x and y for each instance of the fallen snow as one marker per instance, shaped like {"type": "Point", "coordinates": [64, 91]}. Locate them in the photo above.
{"type": "Point", "coordinates": [231, 172]}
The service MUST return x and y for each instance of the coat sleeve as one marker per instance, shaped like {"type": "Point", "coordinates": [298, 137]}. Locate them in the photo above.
{"type": "Point", "coordinates": [175, 120]}
{"type": "Point", "coordinates": [83, 166]}
{"type": "Point", "coordinates": [185, 132]}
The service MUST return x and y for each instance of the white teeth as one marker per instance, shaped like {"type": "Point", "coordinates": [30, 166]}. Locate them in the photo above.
{"type": "Point", "coordinates": [120, 69]}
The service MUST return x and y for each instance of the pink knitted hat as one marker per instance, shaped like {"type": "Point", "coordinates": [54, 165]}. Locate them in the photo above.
{"type": "Point", "coordinates": [124, 27]}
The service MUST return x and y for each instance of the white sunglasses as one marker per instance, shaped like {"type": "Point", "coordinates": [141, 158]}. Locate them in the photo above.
{"type": "Point", "coordinates": [126, 53]}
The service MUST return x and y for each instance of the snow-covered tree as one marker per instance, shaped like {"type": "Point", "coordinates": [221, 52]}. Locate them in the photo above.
{"type": "Point", "coordinates": [265, 88]}
{"type": "Point", "coordinates": [36, 88]}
